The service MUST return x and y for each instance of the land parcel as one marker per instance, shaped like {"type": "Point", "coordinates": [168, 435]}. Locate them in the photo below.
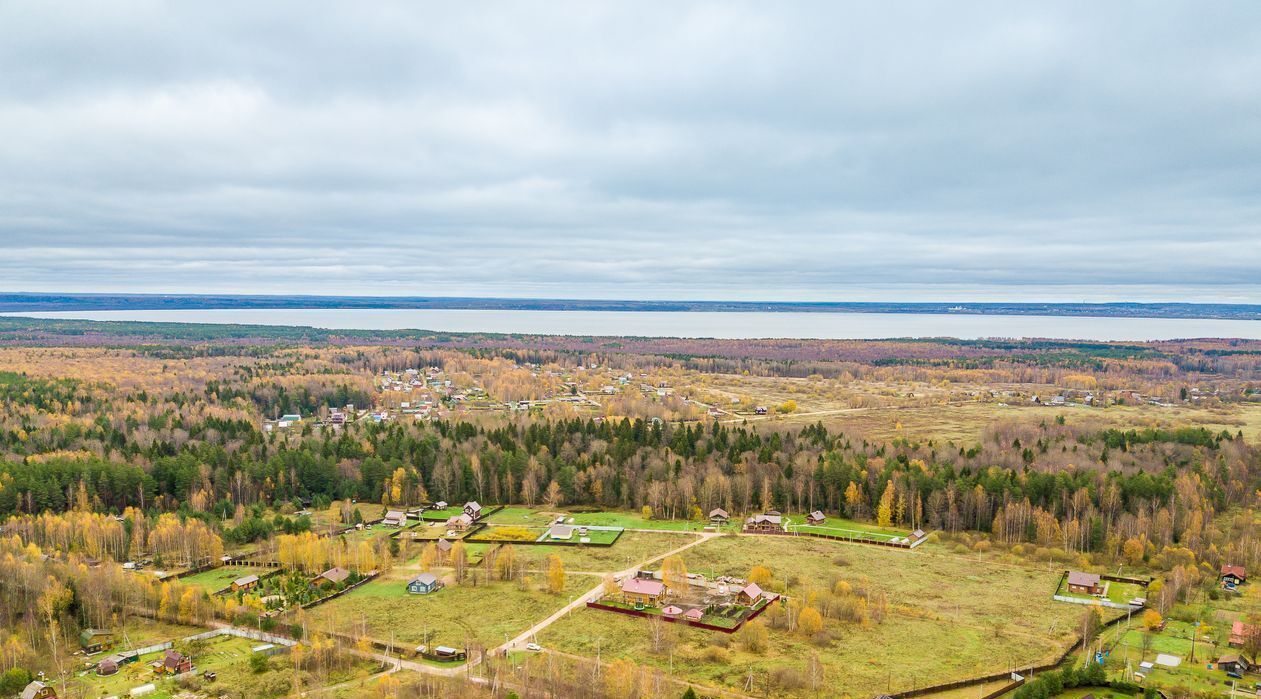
{"type": "Point", "coordinates": [945, 618]}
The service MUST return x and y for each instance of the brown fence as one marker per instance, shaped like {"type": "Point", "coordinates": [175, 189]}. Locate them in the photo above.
{"type": "Point", "coordinates": [1121, 579]}
{"type": "Point", "coordinates": [679, 620]}
{"type": "Point", "coordinates": [193, 571]}
{"type": "Point", "coordinates": [546, 542]}
{"type": "Point", "coordinates": [839, 537]}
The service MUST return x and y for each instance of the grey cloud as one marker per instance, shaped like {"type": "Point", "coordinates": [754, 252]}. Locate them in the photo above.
{"type": "Point", "coordinates": [699, 150]}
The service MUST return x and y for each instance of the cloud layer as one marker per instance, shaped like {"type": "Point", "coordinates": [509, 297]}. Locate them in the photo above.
{"type": "Point", "coordinates": [820, 151]}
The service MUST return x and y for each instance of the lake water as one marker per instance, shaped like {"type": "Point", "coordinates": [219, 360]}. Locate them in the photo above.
{"type": "Point", "coordinates": [852, 326]}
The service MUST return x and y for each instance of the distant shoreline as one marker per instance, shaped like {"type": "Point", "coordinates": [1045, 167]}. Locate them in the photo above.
{"type": "Point", "coordinates": [37, 302]}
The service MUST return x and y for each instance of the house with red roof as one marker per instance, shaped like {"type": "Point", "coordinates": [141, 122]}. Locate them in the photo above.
{"type": "Point", "coordinates": [749, 594]}
{"type": "Point", "coordinates": [1233, 576]}
{"type": "Point", "coordinates": [643, 591]}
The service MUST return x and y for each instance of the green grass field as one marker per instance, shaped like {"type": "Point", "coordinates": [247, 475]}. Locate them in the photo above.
{"type": "Point", "coordinates": [630, 548]}
{"type": "Point", "coordinates": [947, 618]}
{"type": "Point", "coordinates": [451, 616]}
{"type": "Point", "coordinates": [635, 520]}
{"type": "Point", "coordinates": [442, 515]}
{"type": "Point", "coordinates": [218, 578]}
{"type": "Point", "coordinates": [524, 516]}
{"type": "Point", "coordinates": [1175, 640]}
{"type": "Point", "coordinates": [1118, 592]}
{"type": "Point", "coordinates": [223, 655]}
{"type": "Point", "coordinates": [837, 526]}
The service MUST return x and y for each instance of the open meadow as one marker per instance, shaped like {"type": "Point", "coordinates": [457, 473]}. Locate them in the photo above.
{"type": "Point", "coordinates": [947, 618]}
{"type": "Point", "coordinates": [455, 615]}
{"type": "Point", "coordinates": [216, 579]}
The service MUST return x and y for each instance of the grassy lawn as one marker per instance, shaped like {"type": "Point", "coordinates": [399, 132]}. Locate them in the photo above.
{"type": "Point", "coordinates": [508, 533]}
{"type": "Point", "coordinates": [524, 516]}
{"type": "Point", "coordinates": [1174, 640]}
{"type": "Point", "coordinates": [837, 526]}
{"type": "Point", "coordinates": [451, 616]}
{"type": "Point", "coordinates": [428, 531]}
{"type": "Point", "coordinates": [635, 520]}
{"type": "Point", "coordinates": [224, 655]}
{"type": "Point", "coordinates": [218, 578]}
{"type": "Point", "coordinates": [442, 515]}
{"type": "Point", "coordinates": [1118, 592]}
{"type": "Point", "coordinates": [631, 548]}
{"type": "Point", "coordinates": [947, 618]}
{"type": "Point", "coordinates": [411, 555]}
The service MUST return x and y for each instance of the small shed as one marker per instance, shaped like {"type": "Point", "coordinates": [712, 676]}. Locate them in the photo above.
{"type": "Point", "coordinates": [1232, 662]}
{"type": "Point", "coordinates": [816, 518]}
{"type": "Point", "coordinates": [244, 583]}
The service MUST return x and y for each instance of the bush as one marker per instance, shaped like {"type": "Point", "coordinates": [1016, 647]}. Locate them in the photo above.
{"type": "Point", "coordinates": [258, 663]}
{"type": "Point", "coordinates": [714, 654]}
{"type": "Point", "coordinates": [14, 681]}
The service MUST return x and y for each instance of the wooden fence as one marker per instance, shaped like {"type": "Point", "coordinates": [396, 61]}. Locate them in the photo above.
{"type": "Point", "coordinates": [545, 542]}
{"type": "Point", "coordinates": [843, 537]}
{"type": "Point", "coordinates": [680, 620]}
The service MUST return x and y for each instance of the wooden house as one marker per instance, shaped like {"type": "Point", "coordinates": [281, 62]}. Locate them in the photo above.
{"type": "Point", "coordinates": [749, 594]}
{"type": "Point", "coordinates": [473, 509]}
{"type": "Point", "coordinates": [1233, 576]}
{"type": "Point", "coordinates": [460, 522]}
{"type": "Point", "coordinates": [175, 663]}
{"type": "Point", "coordinates": [39, 690]}
{"type": "Point", "coordinates": [95, 640]}
{"type": "Point", "coordinates": [424, 584]}
{"type": "Point", "coordinates": [1241, 632]}
{"type": "Point", "coordinates": [444, 546]}
{"type": "Point", "coordinates": [1232, 662]}
{"type": "Point", "coordinates": [394, 518]}
{"type": "Point", "coordinates": [1084, 583]}
{"type": "Point", "coordinates": [330, 577]}
{"type": "Point", "coordinates": [643, 591]}
{"type": "Point", "coordinates": [718, 516]}
{"type": "Point", "coordinates": [816, 518]}
{"type": "Point", "coordinates": [765, 523]}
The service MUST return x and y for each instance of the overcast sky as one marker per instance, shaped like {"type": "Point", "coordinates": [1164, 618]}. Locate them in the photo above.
{"type": "Point", "coordinates": [762, 150]}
